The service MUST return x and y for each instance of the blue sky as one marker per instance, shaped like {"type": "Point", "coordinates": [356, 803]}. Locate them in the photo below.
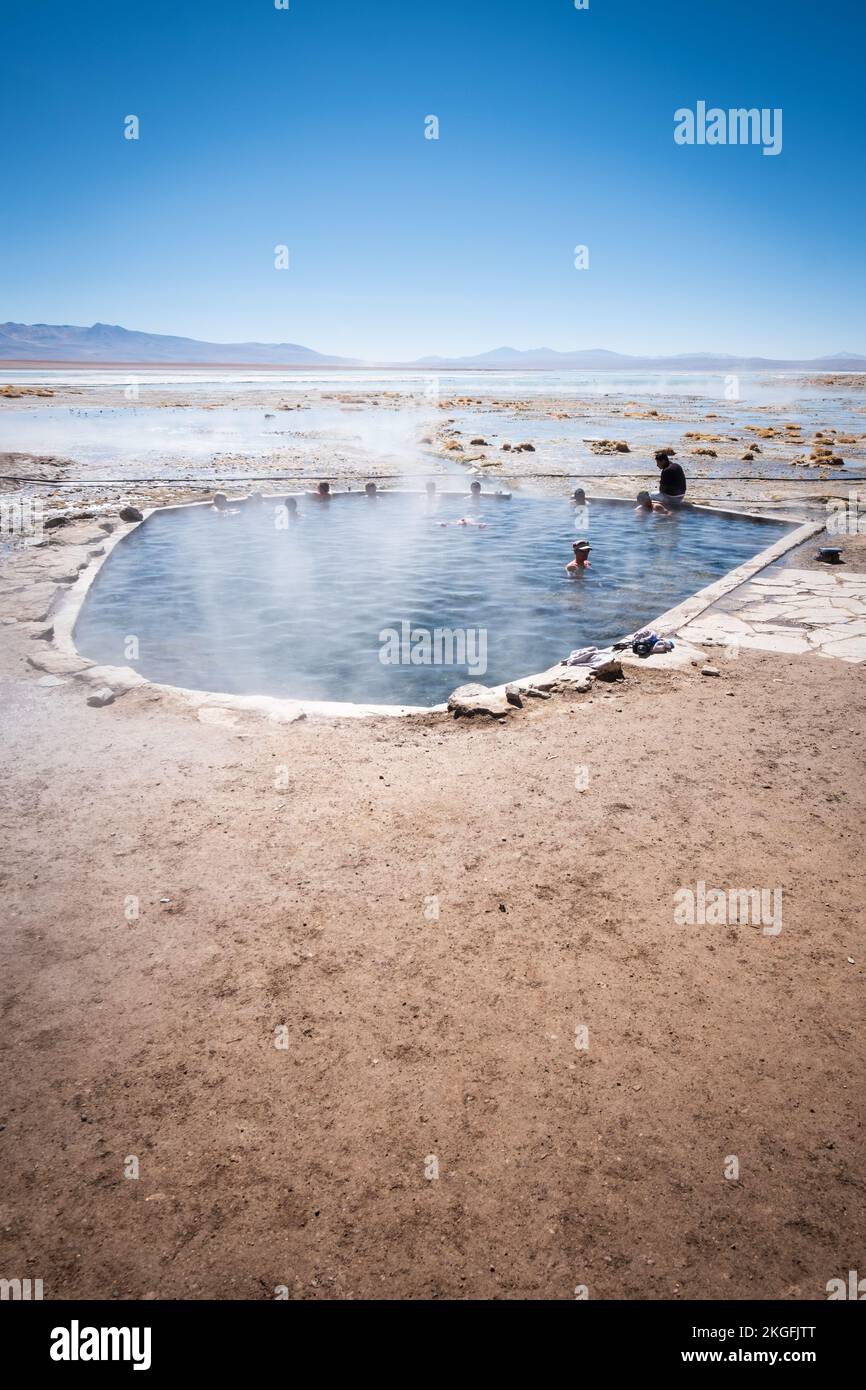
{"type": "Point", "coordinates": [306, 128]}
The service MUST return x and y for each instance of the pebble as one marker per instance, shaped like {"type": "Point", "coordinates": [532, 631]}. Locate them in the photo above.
{"type": "Point", "coordinates": [710, 671]}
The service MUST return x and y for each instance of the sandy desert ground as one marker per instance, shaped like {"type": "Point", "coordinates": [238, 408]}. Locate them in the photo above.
{"type": "Point", "coordinates": [430, 1129]}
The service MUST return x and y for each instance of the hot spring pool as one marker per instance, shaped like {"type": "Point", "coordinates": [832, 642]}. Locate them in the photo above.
{"type": "Point", "coordinates": [316, 608]}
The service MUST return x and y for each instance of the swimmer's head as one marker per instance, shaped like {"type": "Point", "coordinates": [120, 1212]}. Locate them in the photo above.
{"type": "Point", "coordinates": [644, 500]}
{"type": "Point", "coordinates": [475, 487]}
{"type": "Point", "coordinates": [370, 489]}
{"type": "Point", "coordinates": [255, 499]}
{"type": "Point", "coordinates": [291, 504]}
{"type": "Point", "coordinates": [324, 489]}
{"type": "Point", "coordinates": [220, 501]}
{"type": "Point", "coordinates": [581, 549]}
{"type": "Point", "coordinates": [579, 496]}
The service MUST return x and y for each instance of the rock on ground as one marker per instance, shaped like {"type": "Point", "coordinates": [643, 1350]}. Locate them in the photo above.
{"type": "Point", "coordinates": [479, 699]}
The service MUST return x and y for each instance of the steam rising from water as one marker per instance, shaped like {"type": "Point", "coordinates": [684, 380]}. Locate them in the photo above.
{"type": "Point", "coordinates": [251, 603]}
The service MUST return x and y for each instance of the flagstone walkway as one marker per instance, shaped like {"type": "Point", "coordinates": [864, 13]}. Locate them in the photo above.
{"type": "Point", "coordinates": [792, 611]}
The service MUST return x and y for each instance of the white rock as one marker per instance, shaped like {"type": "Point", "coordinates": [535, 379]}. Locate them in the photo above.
{"type": "Point", "coordinates": [478, 699]}
{"type": "Point", "coordinates": [101, 697]}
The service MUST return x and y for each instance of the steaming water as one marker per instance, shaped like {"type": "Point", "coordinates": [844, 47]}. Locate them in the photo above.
{"type": "Point", "coordinates": [200, 423]}
{"type": "Point", "coordinates": [154, 441]}
{"type": "Point", "coordinates": [238, 603]}
{"type": "Point", "coordinates": [771, 388]}
{"type": "Point", "coordinates": [126, 439]}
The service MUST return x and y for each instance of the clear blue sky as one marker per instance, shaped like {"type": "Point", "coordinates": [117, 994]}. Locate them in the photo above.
{"type": "Point", "coordinates": [306, 127]}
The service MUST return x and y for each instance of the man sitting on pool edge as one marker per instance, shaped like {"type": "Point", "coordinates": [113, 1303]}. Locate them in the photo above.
{"type": "Point", "coordinates": [672, 483]}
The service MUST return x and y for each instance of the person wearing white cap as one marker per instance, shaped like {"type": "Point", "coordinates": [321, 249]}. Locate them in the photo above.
{"type": "Point", "coordinates": [581, 558]}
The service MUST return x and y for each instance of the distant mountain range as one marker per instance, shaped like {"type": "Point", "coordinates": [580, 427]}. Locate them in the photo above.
{"type": "Point", "coordinates": [110, 344]}
{"type": "Point", "coordinates": [601, 360]}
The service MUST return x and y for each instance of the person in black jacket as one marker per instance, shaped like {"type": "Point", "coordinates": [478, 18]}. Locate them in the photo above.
{"type": "Point", "coordinates": [672, 483]}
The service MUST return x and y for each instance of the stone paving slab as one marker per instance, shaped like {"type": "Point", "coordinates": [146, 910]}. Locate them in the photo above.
{"type": "Point", "coordinates": [791, 611]}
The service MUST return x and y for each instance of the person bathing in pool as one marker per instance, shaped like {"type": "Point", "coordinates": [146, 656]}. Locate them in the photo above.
{"type": "Point", "coordinates": [581, 558]}
{"type": "Point", "coordinates": [646, 504]}
{"type": "Point", "coordinates": [581, 509]}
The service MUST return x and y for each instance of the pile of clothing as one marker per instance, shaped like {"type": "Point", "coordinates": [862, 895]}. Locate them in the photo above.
{"type": "Point", "coordinates": [647, 643]}
{"type": "Point", "coordinates": [643, 643]}
{"type": "Point", "coordinates": [589, 656]}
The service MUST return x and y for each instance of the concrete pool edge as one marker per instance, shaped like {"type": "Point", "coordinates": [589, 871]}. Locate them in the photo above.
{"type": "Point", "coordinates": [120, 679]}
